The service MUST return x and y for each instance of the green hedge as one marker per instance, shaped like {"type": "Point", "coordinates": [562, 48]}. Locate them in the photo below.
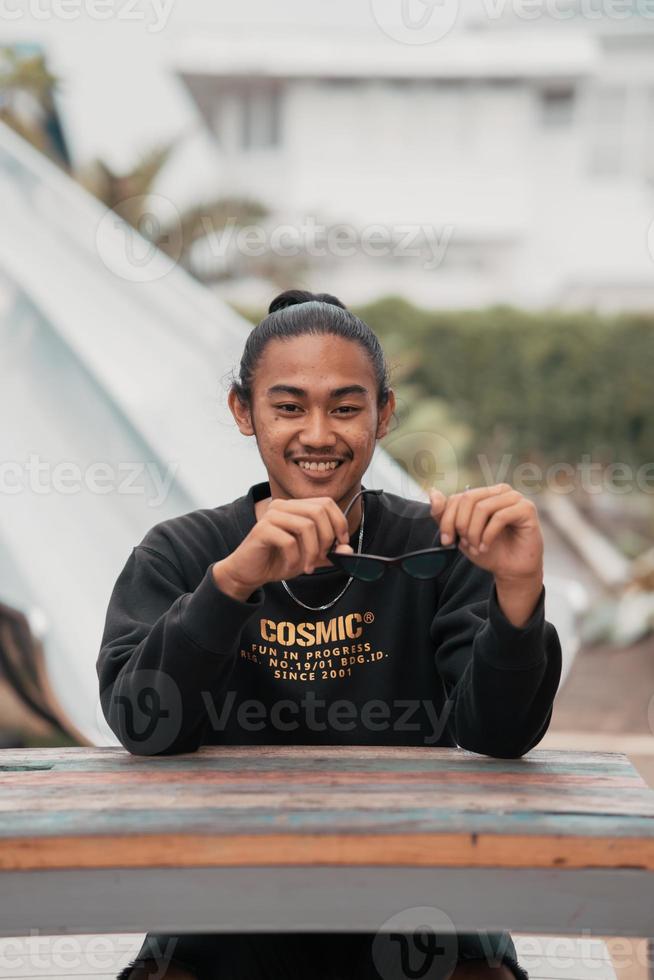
{"type": "Point", "coordinates": [544, 385]}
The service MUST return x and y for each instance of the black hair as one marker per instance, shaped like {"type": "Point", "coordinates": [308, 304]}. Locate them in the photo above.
{"type": "Point", "coordinates": [296, 312]}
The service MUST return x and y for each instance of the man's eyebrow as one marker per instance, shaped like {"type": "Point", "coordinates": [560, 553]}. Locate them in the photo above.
{"type": "Point", "coordinates": [301, 393]}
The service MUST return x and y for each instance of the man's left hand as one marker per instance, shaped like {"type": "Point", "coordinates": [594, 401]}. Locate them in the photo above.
{"type": "Point", "coordinates": [498, 530]}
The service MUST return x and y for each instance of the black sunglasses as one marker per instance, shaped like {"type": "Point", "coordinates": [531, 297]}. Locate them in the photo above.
{"type": "Point", "coordinates": [369, 568]}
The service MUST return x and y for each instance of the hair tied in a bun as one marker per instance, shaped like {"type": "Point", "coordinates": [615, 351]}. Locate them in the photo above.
{"type": "Point", "coordinates": [292, 297]}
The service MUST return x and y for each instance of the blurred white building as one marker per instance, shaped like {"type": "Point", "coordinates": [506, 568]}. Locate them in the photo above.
{"type": "Point", "coordinates": [511, 161]}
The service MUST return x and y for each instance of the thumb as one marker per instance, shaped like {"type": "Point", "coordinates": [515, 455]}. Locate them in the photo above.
{"type": "Point", "coordinates": [345, 548]}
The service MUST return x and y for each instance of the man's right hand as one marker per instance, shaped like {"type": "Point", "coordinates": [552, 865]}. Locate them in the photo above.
{"type": "Point", "coordinates": [291, 538]}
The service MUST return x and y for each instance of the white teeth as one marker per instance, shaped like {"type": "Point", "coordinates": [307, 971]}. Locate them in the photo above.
{"type": "Point", "coordinates": [321, 467]}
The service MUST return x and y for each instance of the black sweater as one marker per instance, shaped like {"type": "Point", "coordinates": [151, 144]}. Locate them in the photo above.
{"type": "Point", "coordinates": [401, 661]}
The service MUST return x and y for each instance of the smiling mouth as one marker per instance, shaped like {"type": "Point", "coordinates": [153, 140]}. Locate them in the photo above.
{"type": "Point", "coordinates": [316, 467]}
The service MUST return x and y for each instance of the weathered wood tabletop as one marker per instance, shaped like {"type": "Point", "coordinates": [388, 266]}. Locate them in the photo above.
{"type": "Point", "coordinates": [337, 838]}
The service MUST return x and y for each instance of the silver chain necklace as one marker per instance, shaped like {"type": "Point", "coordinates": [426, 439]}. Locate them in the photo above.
{"type": "Point", "coordinates": [351, 579]}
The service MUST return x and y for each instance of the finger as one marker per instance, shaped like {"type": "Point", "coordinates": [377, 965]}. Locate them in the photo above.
{"type": "Point", "coordinates": [471, 495]}
{"type": "Point", "coordinates": [437, 502]}
{"type": "Point", "coordinates": [448, 518]}
{"type": "Point", "coordinates": [323, 519]}
{"type": "Point", "coordinates": [503, 518]}
{"type": "Point", "coordinates": [286, 545]}
{"type": "Point", "coordinates": [329, 510]}
{"type": "Point", "coordinates": [323, 516]}
{"type": "Point", "coordinates": [306, 533]}
{"type": "Point", "coordinates": [310, 541]}
{"type": "Point", "coordinates": [482, 511]}
{"type": "Point", "coordinates": [500, 519]}
{"type": "Point", "coordinates": [338, 519]}
{"type": "Point", "coordinates": [440, 503]}
{"type": "Point", "coordinates": [463, 512]}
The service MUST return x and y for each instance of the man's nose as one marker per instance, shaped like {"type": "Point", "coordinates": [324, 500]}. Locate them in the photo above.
{"type": "Point", "coordinates": [318, 430]}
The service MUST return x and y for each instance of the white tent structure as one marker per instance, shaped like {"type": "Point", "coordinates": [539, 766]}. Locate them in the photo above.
{"type": "Point", "coordinates": [114, 415]}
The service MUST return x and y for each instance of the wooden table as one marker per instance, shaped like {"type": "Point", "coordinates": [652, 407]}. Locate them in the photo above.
{"type": "Point", "coordinates": [335, 838]}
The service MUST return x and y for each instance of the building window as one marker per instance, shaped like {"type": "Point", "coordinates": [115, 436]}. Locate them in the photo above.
{"type": "Point", "coordinates": [556, 105]}
{"type": "Point", "coordinates": [217, 118]}
{"type": "Point", "coordinates": [608, 131]}
{"type": "Point", "coordinates": [260, 118]}
{"type": "Point", "coordinates": [648, 134]}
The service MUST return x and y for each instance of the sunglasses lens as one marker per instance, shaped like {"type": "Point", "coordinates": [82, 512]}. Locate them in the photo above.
{"type": "Point", "coordinates": [365, 569]}
{"type": "Point", "coordinates": [427, 566]}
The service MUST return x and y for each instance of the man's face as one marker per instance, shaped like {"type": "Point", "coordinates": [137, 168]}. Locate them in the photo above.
{"type": "Point", "coordinates": [320, 423]}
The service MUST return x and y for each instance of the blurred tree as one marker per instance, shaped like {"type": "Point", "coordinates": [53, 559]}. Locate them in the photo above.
{"type": "Point", "coordinates": [197, 239]}
{"type": "Point", "coordinates": [27, 100]}
{"type": "Point", "coordinates": [126, 193]}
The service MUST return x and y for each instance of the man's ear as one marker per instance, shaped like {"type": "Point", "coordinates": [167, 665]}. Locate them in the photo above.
{"type": "Point", "coordinates": [386, 415]}
{"type": "Point", "coordinates": [241, 413]}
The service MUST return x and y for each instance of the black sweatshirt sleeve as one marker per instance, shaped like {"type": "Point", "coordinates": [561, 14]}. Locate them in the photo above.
{"type": "Point", "coordinates": [162, 647]}
{"type": "Point", "coordinates": [500, 679]}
